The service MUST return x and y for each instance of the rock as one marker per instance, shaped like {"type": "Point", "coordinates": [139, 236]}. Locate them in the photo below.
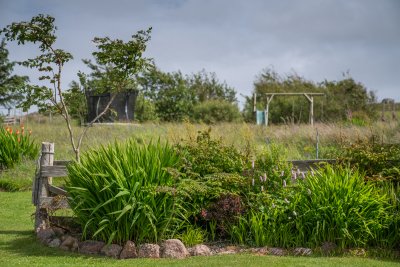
{"type": "Point", "coordinates": [173, 248]}
{"type": "Point", "coordinates": [45, 235]}
{"type": "Point", "coordinates": [302, 251]}
{"type": "Point", "coordinates": [55, 243]}
{"type": "Point", "coordinates": [259, 251]}
{"type": "Point", "coordinates": [328, 248]}
{"type": "Point", "coordinates": [359, 252]}
{"type": "Point", "coordinates": [149, 251]}
{"type": "Point", "coordinates": [199, 250]}
{"type": "Point", "coordinates": [69, 243]}
{"type": "Point", "coordinates": [112, 250]}
{"type": "Point", "coordinates": [277, 251]}
{"type": "Point", "coordinates": [129, 251]}
{"type": "Point", "coordinates": [91, 247]}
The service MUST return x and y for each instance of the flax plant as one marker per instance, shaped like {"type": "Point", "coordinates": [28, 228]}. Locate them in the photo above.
{"type": "Point", "coordinates": [336, 205]}
{"type": "Point", "coordinates": [125, 191]}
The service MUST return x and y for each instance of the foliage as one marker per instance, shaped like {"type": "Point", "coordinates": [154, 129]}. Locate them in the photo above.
{"type": "Point", "coordinates": [75, 100]}
{"type": "Point", "coordinates": [116, 63]}
{"type": "Point", "coordinates": [272, 171]}
{"type": "Point", "coordinates": [343, 100]}
{"type": "Point", "coordinates": [192, 236]}
{"type": "Point", "coordinates": [175, 96]}
{"type": "Point", "coordinates": [207, 87]}
{"type": "Point", "coordinates": [377, 160]}
{"type": "Point", "coordinates": [214, 111]}
{"type": "Point", "coordinates": [9, 186]}
{"type": "Point", "coordinates": [15, 145]}
{"type": "Point", "coordinates": [336, 205]}
{"type": "Point", "coordinates": [10, 85]}
{"type": "Point", "coordinates": [145, 109]}
{"type": "Point", "coordinates": [126, 191]}
{"type": "Point", "coordinates": [40, 29]}
{"type": "Point", "coordinates": [207, 156]}
{"type": "Point", "coordinates": [169, 92]}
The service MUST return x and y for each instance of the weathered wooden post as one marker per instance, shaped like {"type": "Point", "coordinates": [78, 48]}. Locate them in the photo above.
{"type": "Point", "coordinates": [310, 98]}
{"type": "Point", "coordinates": [41, 189]}
{"type": "Point", "coordinates": [269, 99]}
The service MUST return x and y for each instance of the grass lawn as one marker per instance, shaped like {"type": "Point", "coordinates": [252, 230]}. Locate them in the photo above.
{"type": "Point", "coordinates": [18, 247]}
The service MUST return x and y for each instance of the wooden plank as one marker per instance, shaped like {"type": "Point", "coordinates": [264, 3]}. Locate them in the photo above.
{"type": "Point", "coordinates": [57, 190]}
{"type": "Point", "coordinates": [54, 203]}
{"type": "Point", "coordinates": [53, 171]}
{"type": "Point", "coordinates": [61, 162]}
{"type": "Point", "coordinates": [305, 165]}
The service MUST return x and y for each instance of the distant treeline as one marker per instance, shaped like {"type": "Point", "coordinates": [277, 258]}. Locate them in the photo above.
{"type": "Point", "coordinates": [202, 97]}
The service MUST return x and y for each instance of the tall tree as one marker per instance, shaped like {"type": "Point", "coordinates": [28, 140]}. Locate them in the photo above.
{"type": "Point", "coordinates": [10, 85]}
{"type": "Point", "coordinates": [120, 61]}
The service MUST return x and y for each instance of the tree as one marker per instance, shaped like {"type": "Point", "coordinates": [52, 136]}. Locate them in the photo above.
{"type": "Point", "coordinates": [346, 98]}
{"type": "Point", "coordinates": [169, 91]}
{"type": "Point", "coordinates": [342, 98]}
{"type": "Point", "coordinates": [214, 111]}
{"type": "Point", "coordinates": [175, 96]}
{"type": "Point", "coordinates": [75, 99]}
{"type": "Point", "coordinates": [10, 85]}
{"type": "Point", "coordinates": [206, 86]}
{"type": "Point", "coordinates": [116, 60]}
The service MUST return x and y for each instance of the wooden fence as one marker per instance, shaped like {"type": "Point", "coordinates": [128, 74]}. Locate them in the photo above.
{"type": "Point", "coordinates": [10, 120]}
{"type": "Point", "coordinates": [46, 196]}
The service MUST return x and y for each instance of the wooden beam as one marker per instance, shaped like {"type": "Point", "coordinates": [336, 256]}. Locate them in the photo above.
{"type": "Point", "coordinates": [305, 165]}
{"type": "Point", "coordinates": [53, 171]}
{"type": "Point", "coordinates": [57, 190]}
{"type": "Point", "coordinates": [314, 94]}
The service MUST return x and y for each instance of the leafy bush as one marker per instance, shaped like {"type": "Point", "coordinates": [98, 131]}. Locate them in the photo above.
{"type": "Point", "coordinates": [126, 191]}
{"type": "Point", "coordinates": [15, 146]}
{"type": "Point", "coordinates": [207, 156]}
{"type": "Point", "coordinates": [375, 159]}
{"type": "Point", "coordinates": [213, 111]}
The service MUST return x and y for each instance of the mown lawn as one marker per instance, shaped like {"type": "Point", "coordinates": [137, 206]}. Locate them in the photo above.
{"type": "Point", "coordinates": [18, 247]}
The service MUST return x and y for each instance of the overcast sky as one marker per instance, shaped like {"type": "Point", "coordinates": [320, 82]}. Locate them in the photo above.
{"type": "Point", "coordinates": [317, 39]}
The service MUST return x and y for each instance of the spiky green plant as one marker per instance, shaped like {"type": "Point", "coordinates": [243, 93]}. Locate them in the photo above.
{"type": "Point", "coordinates": [336, 205]}
{"type": "Point", "coordinates": [126, 191]}
{"type": "Point", "coordinates": [14, 146]}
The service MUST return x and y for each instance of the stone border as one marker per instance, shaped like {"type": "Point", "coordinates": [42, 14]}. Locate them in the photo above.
{"type": "Point", "coordinates": [56, 237]}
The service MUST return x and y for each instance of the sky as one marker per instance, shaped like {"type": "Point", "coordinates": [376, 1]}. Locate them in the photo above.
{"type": "Point", "coordinates": [316, 39]}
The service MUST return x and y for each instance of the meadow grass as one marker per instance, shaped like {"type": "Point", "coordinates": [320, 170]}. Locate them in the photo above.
{"type": "Point", "coordinates": [299, 140]}
{"type": "Point", "coordinates": [295, 141]}
{"type": "Point", "coordinates": [18, 247]}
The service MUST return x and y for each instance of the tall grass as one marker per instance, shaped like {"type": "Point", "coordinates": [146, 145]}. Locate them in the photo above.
{"type": "Point", "coordinates": [336, 205]}
{"type": "Point", "coordinates": [15, 145]}
{"type": "Point", "coordinates": [125, 191]}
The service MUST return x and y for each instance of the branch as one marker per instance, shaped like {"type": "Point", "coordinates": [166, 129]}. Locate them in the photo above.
{"type": "Point", "coordinates": [94, 120]}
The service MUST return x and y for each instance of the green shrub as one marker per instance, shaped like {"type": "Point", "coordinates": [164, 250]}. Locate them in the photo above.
{"type": "Point", "coordinates": [336, 205]}
{"type": "Point", "coordinates": [15, 145]}
{"type": "Point", "coordinates": [207, 156]}
{"type": "Point", "coordinates": [126, 191]}
{"type": "Point", "coordinates": [214, 111]}
{"type": "Point", "coordinates": [374, 158]}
